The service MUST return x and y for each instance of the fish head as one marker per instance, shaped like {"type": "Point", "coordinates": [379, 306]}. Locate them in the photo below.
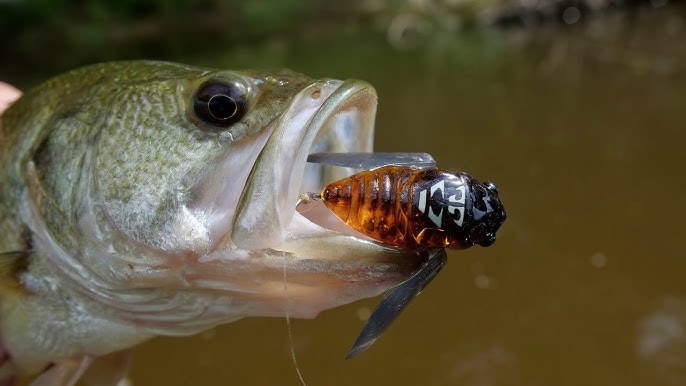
{"type": "Point", "coordinates": [184, 195]}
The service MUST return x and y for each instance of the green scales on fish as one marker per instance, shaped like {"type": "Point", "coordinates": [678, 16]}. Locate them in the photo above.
{"type": "Point", "coordinates": [148, 198]}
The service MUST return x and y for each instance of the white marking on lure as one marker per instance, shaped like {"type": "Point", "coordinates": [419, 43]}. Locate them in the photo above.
{"type": "Point", "coordinates": [422, 201]}
{"type": "Point", "coordinates": [451, 208]}
{"type": "Point", "coordinates": [437, 219]}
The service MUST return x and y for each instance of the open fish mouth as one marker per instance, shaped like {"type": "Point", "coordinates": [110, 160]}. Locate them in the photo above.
{"type": "Point", "coordinates": [325, 116]}
{"type": "Point", "coordinates": [327, 263]}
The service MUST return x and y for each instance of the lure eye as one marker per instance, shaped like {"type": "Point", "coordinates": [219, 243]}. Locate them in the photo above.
{"type": "Point", "coordinates": [488, 241]}
{"type": "Point", "coordinates": [219, 103]}
{"type": "Point", "coordinates": [491, 186]}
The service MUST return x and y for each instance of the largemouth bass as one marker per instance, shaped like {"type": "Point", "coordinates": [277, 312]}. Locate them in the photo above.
{"type": "Point", "coordinates": [147, 198]}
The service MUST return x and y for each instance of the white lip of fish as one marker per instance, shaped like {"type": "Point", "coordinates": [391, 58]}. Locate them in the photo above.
{"type": "Point", "coordinates": [339, 119]}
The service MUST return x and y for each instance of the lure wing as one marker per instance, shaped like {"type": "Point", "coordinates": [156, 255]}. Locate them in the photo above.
{"type": "Point", "coordinates": [395, 301]}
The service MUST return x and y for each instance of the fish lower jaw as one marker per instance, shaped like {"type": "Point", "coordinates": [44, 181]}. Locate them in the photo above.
{"type": "Point", "coordinates": [317, 241]}
{"type": "Point", "coordinates": [313, 216]}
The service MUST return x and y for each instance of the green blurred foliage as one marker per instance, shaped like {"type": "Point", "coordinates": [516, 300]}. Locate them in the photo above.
{"type": "Point", "coordinates": [45, 37]}
{"type": "Point", "coordinates": [59, 34]}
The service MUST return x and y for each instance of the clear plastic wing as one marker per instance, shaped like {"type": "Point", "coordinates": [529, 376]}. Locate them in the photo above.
{"type": "Point", "coordinates": [366, 161]}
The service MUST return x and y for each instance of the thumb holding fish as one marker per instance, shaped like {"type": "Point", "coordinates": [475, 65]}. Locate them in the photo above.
{"type": "Point", "coordinates": [8, 94]}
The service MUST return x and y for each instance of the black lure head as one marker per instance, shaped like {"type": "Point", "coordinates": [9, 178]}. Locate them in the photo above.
{"type": "Point", "coordinates": [488, 213]}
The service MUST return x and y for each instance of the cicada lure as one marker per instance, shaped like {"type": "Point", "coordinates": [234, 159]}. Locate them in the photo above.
{"type": "Point", "coordinates": [402, 200]}
{"type": "Point", "coordinates": [417, 208]}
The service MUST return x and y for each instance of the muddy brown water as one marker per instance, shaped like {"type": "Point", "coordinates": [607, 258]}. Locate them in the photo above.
{"type": "Point", "coordinates": [584, 134]}
{"type": "Point", "coordinates": [582, 129]}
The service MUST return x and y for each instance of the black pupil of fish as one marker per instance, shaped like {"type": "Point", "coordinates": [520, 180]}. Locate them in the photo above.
{"type": "Point", "coordinates": [222, 107]}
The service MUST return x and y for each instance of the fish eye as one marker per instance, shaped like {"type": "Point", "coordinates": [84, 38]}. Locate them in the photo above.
{"type": "Point", "coordinates": [219, 103]}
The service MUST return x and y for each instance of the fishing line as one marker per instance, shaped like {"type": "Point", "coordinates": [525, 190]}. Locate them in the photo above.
{"type": "Point", "coordinates": [288, 324]}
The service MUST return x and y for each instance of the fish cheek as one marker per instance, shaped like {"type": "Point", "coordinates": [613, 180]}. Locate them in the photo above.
{"type": "Point", "coordinates": [140, 171]}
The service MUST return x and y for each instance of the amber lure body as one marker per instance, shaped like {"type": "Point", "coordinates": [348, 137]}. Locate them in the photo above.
{"type": "Point", "coordinates": [417, 208]}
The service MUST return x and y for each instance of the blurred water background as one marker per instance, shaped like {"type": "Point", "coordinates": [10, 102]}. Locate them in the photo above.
{"type": "Point", "coordinates": [575, 109]}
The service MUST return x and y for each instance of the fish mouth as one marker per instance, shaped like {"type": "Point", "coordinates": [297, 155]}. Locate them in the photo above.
{"type": "Point", "coordinates": [327, 264]}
